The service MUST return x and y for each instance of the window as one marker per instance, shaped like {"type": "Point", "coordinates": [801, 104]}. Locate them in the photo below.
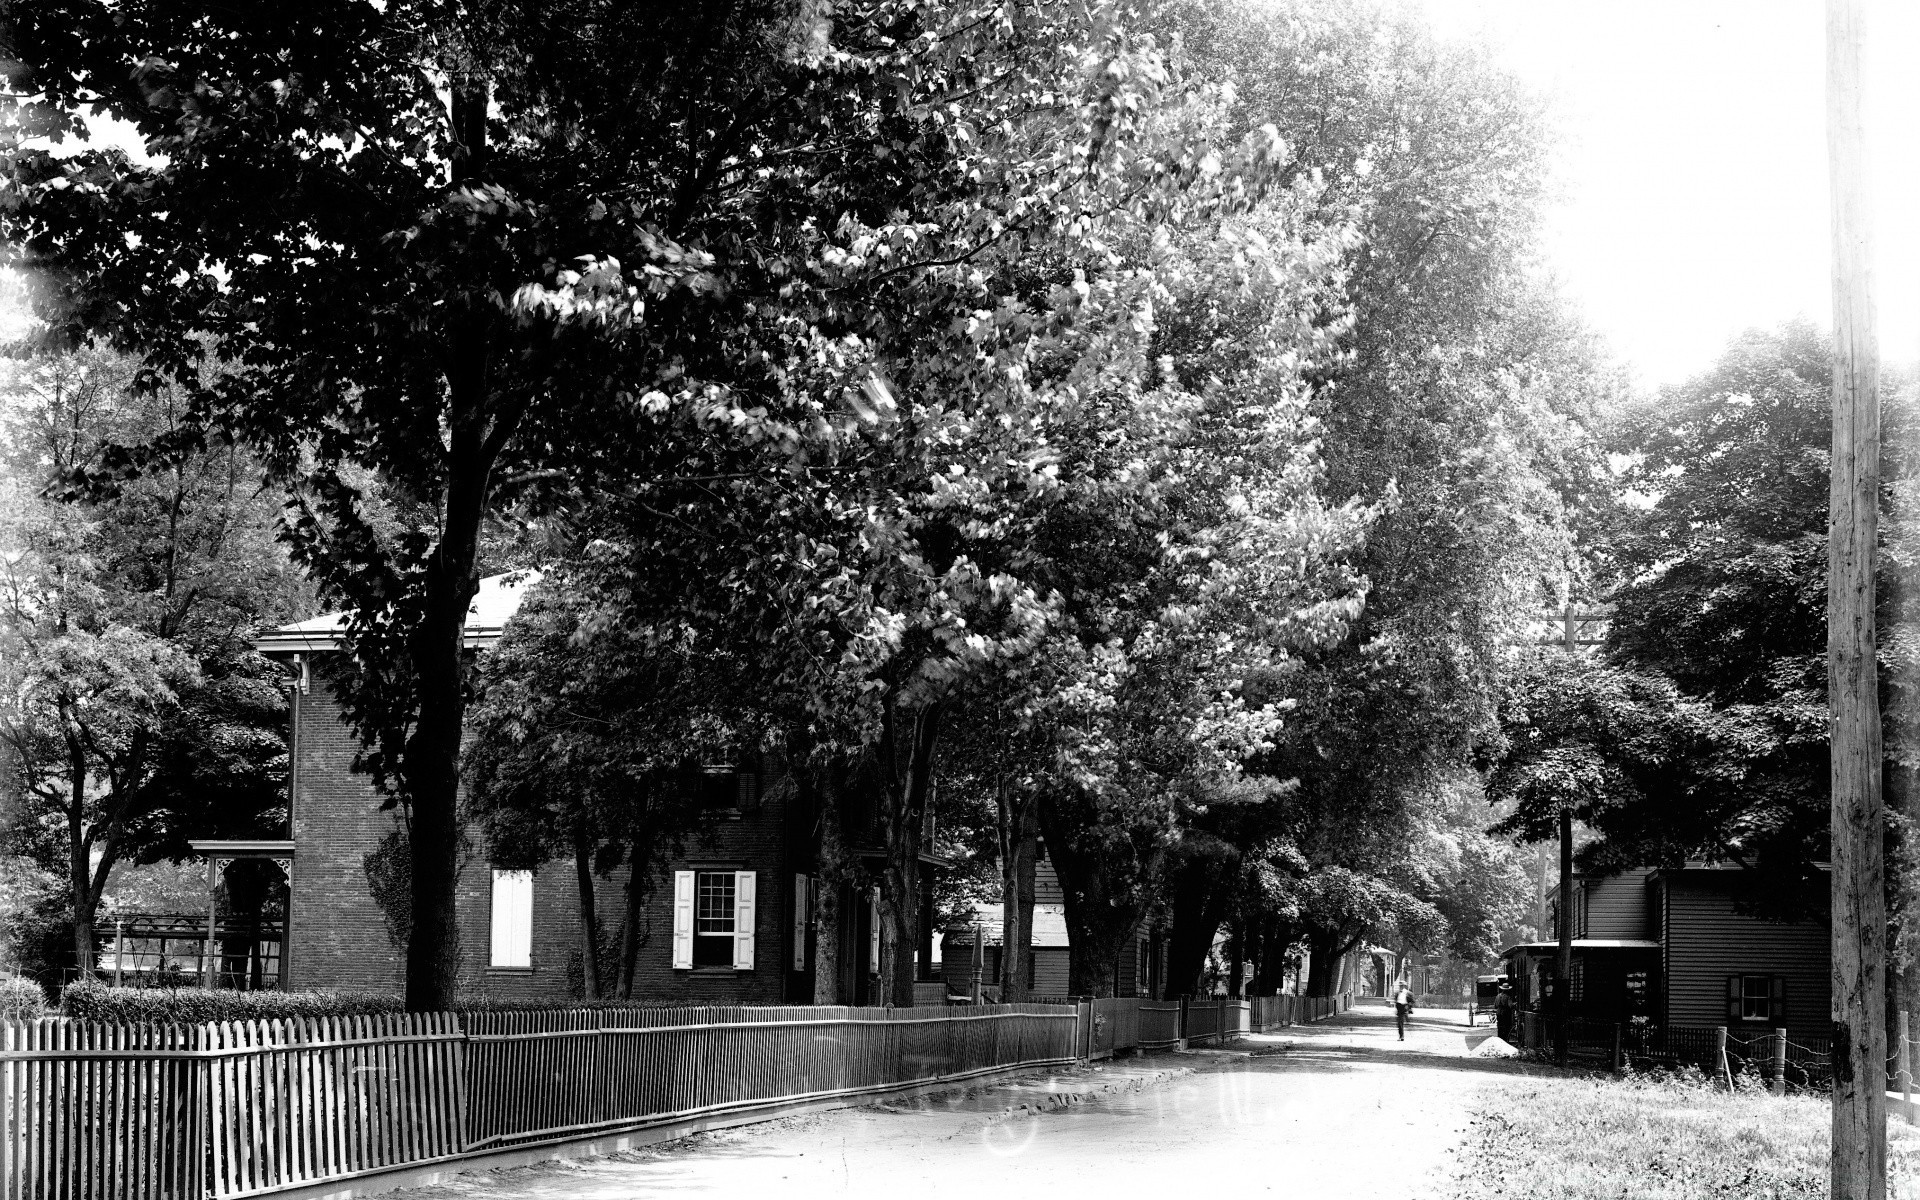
{"type": "Point", "coordinates": [1757, 999]}
{"type": "Point", "coordinates": [726, 791]}
{"type": "Point", "coordinates": [713, 918]}
{"type": "Point", "coordinates": [802, 914]}
{"type": "Point", "coordinates": [1577, 982]}
{"type": "Point", "coordinates": [510, 943]}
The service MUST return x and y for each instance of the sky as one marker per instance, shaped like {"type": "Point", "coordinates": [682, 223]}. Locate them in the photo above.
{"type": "Point", "coordinates": [1690, 164]}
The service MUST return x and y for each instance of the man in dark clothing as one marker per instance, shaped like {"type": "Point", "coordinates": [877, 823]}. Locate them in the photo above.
{"type": "Point", "coordinates": [1402, 1005]}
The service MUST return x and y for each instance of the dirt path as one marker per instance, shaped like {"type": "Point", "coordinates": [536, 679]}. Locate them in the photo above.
{"type": "Point", "coordinates": [1331, 1110]}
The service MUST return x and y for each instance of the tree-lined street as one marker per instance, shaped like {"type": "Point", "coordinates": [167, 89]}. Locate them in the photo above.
{"type": "Point", "coordinates": [1340, 1108]}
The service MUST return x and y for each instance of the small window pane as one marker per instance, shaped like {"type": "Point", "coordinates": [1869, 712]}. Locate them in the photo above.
{"type": "Point", "coordinates": [1756, 997]}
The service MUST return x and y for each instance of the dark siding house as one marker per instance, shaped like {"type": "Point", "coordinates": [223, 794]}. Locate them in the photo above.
{"type": "Point", "coordinates": [1670, 946]}
{"type": "Point", "coordinates": [1723, 968]}
{"type": "Point", "coordinates": [729, 922]}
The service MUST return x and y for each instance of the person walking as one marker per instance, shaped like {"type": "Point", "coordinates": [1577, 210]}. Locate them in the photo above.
{"type": "Point", "coordinates": [1503, 1012]}
{"type": "Point", "coordinates": [1402, 1005]}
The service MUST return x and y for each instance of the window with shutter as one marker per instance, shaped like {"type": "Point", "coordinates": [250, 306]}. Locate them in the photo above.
{"type": "Point", "coordinates": [1777, 1002]}
{"type": "Point", "coordinates": [510, 936]}
{"type": "Point", "coordinates": [683, 920]}
{"type": "Point", "coordinates": [1752, 1002]}
{"type": "Point", "coordinates": [802, 913]}
{"type": "Point", "coordinates": [743, 920]}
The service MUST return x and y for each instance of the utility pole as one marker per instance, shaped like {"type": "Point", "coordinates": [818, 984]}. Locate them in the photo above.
{"type": "Point", "coordinates": [1859, 1166]}
{"type": "Point", "coordinates": [1563, 961]}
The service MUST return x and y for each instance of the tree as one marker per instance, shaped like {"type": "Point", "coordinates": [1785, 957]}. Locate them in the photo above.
{"type": "Point", "coordinates": [1461, 402]}
{"type": "Point", "coordinates": [135, 716]}
{"type": "Point", "coordinates": [475, 248]}
{"type": "Point", "coordinates": [581, 744]}
{"type": "Point", "coordinates": [1721, 589]}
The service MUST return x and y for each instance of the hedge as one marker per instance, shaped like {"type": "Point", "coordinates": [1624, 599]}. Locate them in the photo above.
{"type": "Point", "coordinates": [191, 1006]}
{"type": "Point", "coordinates": [21, 999]}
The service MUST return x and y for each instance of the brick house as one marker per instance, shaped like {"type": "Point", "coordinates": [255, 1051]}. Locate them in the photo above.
{"type": "Point", "coordinates": [1670, 946]}
{"type": "Point", "coordinates": [729, 922]}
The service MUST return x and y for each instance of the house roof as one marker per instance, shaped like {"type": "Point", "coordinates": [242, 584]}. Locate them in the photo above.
{"type": "Point", "coordinates": [497, 600]}
{"type": "Point", "coordinates": [1049, 924]}
{"type": "Point", "coordinates": [1586, 944]}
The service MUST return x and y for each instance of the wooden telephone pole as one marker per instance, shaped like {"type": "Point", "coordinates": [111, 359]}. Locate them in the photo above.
{"type": "Point", "coordinates": [1859, 1168]}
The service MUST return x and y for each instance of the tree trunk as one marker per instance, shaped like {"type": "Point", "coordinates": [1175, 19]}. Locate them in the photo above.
{"type": "Point", "coordinates": [1199, 905]}
{"type": "Point", "coordinates": [589, 916]}
{"type": "Point", "coordinates": [827, 786]}
{"type": "Point", "coordinates": [1236, 955]}
{"type": "Point", "coordinates": [1858, 822]}
{"type": "Point", "coordinates": [476, 433]}
{"type": "Point", "coordinates": [902, 823]}
{"type": "Point", "coordinates": [1326, 950]}
{"type": "Point", "coordinates": [635, 900]}
{"type": "Point", "coordinates": [79, 869]}
{"type": "Point", "coordinates": [1019, 851]}
{"type": "Point", "coordinates": [1099, 920]}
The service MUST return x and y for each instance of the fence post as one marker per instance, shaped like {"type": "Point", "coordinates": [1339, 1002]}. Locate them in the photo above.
{"type": "Point", "coordinates": [1619, 1050]}
{"type": "Point", "coordinates": [1906, 1069]}
{"type": "Point", "coordinates": [1720, 1052]}
{"type": "Point", "coordinates": [1780, 1062]}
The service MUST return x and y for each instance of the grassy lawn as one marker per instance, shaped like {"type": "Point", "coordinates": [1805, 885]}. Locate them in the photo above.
{"type": "Point", "coordinates": [1567, 1138]}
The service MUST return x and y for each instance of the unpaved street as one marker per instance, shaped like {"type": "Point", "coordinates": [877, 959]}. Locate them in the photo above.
{"type": "Point", "coordinates": [1338, 1109]}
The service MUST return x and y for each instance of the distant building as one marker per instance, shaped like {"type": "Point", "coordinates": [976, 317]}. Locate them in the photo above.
{"type": "Point", "coordinates": [1138, 971]}
{"type": "Point", "coordinates": [728, 923]}
{"type": "Point", "coordinates": [1667, 946]}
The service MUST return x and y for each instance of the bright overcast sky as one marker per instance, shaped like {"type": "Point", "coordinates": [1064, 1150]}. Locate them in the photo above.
{"type": "Point", "coordinates": [1692, 166]}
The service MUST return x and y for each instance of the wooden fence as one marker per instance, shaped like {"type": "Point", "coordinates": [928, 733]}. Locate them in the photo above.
{"type": "Point", "coordinates": [110, 1112]}
{"type": "Point", "coordinates": [1271, 1012]}
{"type": "Point", "coordinates": [102, 1112]}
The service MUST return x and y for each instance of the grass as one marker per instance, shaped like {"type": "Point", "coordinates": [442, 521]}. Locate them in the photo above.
{"type": "Point", "coordinates": [1588, 1138]}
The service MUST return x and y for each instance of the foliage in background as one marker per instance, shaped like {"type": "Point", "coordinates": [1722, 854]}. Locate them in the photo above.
{"type": "Point", "coordinates": [22, 999]}
{"type": "Point", "coordinates": [133, 713]}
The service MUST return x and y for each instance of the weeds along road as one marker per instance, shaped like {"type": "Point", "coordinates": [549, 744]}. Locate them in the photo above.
{"type": "Point", "coordinates": [1337, 1109]}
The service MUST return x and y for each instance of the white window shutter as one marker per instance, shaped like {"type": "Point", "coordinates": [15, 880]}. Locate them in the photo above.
{"type": "Point", "coordinates": [801, 914]}
{"type": "Point", "coordinates": [683, 920]}
{"type": "Point", "coordinates": [743, 920]}
{"type": "Point", "coordinates": [510, 944]}
{"type": "Point", "coordinates": [873, 932]}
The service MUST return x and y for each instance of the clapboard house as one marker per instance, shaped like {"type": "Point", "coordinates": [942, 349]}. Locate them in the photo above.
{"type": "Point", "coordinates": [1674, 946]}
{"type": "Point", "coordinates": [729, 922]}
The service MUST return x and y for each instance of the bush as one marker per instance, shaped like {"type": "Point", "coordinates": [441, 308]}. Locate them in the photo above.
{"type": "Point", "coordinates": [21, 999]}
{"type": "Point", "coordinates": [191, 1006]}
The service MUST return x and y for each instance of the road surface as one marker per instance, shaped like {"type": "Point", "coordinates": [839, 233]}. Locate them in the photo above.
{"type": "Point", "coordinates": [1336, 1109]}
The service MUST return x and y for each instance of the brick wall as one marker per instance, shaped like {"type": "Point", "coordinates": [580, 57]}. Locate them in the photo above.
{"type": "Point", "coordinates": [339, 938]}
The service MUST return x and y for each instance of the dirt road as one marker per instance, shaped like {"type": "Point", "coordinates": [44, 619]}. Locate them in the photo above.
{"type": "Point", "coordinates": [1337, 1109]}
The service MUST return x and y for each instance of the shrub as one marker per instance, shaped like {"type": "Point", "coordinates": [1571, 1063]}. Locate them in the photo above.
{"type": "Point", "coordinates": [191, 1006]}
{"type": "Point", "coordinates": [21, 999]}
